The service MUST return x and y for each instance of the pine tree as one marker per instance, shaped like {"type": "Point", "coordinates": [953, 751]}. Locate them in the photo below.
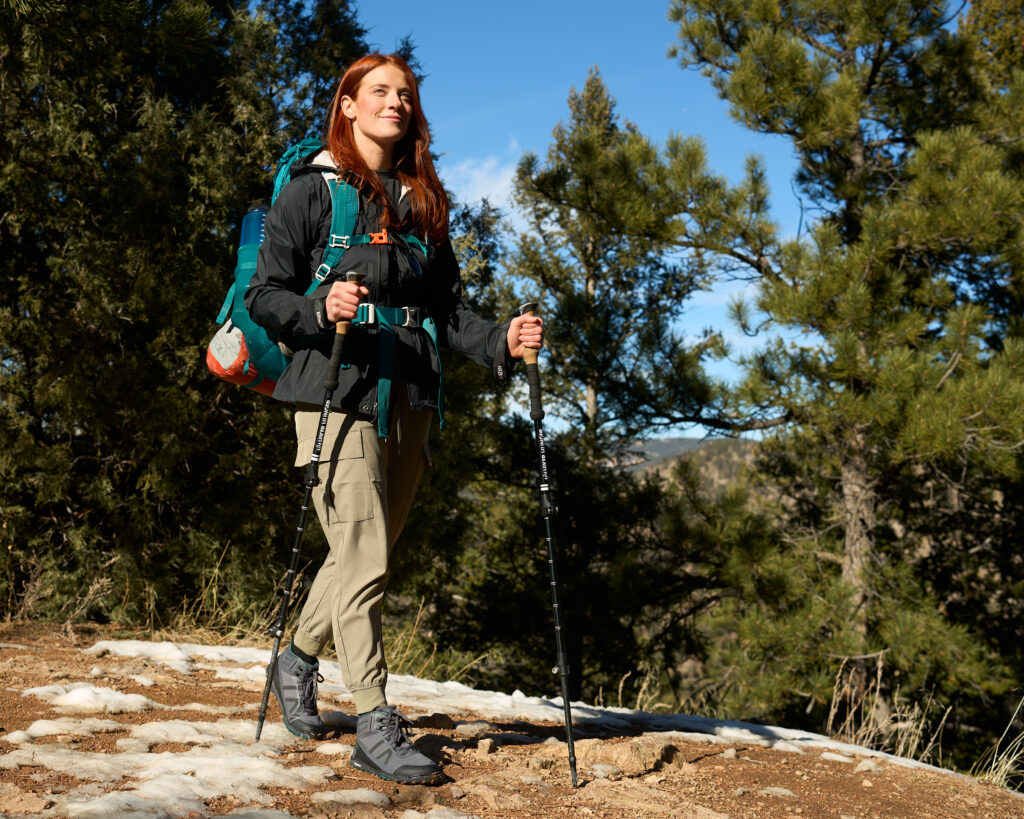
{"type": "Point", "coordinates": [595, 253]}
{"type": "Point", "coordinates": [906, 378]}
{"type": "Point", "coordinates": [134, 134]}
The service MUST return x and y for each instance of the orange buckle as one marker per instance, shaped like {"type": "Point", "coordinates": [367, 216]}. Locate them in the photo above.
{"type": "Point", "coordinates": [381, 238]}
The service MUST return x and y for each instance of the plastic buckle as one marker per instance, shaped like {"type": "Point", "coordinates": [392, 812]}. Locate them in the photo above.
{"type": "Point", "coordinates": [339, 241]}
{"type": "Point", "coordinates": [321, 272]}
{"type": "Point", "coordinates": [411, 317]}
{"type": "Point", "coordinates": [381, 238]}
{"type": "Point", "coordinates": [366, 314]}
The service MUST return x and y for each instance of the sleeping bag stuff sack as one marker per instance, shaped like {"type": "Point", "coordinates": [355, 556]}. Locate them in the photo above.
{"type": "Point", "coordinates": [241, 352]}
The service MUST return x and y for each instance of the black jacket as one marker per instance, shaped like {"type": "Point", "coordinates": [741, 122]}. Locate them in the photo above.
{"type": "Point", "coordinates": [297, 230]}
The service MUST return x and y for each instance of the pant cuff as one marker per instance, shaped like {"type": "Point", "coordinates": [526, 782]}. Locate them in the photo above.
{"type": "Point", "coordinates": [367, 699]}
{"type": "Point", "coordinates": [307, 644]}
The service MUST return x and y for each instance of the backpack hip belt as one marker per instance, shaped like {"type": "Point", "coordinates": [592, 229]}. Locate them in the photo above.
{"type": "Point", "coordinates": [386, 319]}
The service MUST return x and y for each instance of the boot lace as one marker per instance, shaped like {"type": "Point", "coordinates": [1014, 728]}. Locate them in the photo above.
{"type": "Point", "coordinates": [393, 728]}
{"type": "Point", "coordinates": [307, 690]}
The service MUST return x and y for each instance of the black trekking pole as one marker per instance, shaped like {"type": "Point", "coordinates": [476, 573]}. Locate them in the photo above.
{"type": "Point", "coordinates": [312, 479]}
{"type": "Point", "coordinates": [547, 510]}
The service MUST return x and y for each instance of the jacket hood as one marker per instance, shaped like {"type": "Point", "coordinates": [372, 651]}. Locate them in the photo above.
{"type": "Point", "coordinates": [315, 162]}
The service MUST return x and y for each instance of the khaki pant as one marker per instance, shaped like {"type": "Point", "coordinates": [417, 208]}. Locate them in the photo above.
{"type": "Point", "coordinates": [367, 485]}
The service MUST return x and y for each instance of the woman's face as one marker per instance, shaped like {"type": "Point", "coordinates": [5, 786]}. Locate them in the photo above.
{"type": "Point", "coordinates": [381, 110]}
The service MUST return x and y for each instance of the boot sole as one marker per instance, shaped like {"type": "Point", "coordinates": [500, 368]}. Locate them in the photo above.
{"type": "Point", "coordinates": [433, 778]}
{"type": "Point", "coordinates": [302, 734]}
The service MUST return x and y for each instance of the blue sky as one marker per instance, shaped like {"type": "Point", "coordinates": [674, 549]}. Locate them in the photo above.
{"type": "Point", "coordinates": [498, 77]}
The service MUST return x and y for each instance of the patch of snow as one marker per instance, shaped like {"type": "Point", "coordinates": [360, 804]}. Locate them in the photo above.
{"type": "Point", "coordinates": [792, 747]}
{"type": "Point", "coordinates": [224, 762]}
{"type": "Point", "coordinates": [334, 749]}
{"type": "Point", "coordinates": [86, 698]}
{"type": "Point", "coordinates": [167, 653]}
{"type": "Point", "coordinates": [142, 680]}
{"type": "Point", "coordinates": [65, 726]}
{"type": "Point", "coordinates": [130, 745]}
{"type": "Point", "coordinates": [256, 673]}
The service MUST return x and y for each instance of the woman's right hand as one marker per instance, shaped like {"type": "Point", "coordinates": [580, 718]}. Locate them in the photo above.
{"type": "Point", "coordinates": [343, 300]}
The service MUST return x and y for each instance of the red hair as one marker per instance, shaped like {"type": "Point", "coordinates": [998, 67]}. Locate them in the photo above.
{"type": "Point", "coordinates": [413, 165]}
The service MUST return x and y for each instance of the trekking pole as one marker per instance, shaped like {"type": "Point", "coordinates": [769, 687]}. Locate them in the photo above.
{"type": "Point", "coordinates": [312, 479]}
{"type": "Point", "coordinates": [547, 510]}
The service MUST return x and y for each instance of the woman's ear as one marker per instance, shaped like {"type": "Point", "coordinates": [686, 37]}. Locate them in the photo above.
{"type": "Point", "coordinates": [348, 107]}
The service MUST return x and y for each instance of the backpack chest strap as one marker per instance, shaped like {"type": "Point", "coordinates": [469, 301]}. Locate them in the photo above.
{"type": "Point", "coordinates": [344, 211]}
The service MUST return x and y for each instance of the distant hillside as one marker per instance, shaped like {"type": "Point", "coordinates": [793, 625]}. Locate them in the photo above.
{"type": "Point", "coordinates": [657, 452]}
{"type": "Point", "coordinates": [721, 459]}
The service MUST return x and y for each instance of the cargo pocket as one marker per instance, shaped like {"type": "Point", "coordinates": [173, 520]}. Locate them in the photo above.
{"type": "Point", "coordinates": [349, 494]}
{"type": "Point", "coordinates": [345, 488]}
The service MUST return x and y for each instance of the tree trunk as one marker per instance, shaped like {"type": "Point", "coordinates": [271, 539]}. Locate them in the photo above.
{"type": "Point", "coordinates": [859, 513]}
{"type": "Point", "coordinates": [854, 697]}
{"type": "Point", "coordinates": [590, 286]}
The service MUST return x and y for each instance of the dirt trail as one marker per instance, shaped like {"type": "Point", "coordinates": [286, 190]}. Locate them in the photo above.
{"type": "Point", "coordinates": [60, 762]}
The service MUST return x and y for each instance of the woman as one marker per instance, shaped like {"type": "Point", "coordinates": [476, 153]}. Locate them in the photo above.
{"type": "Point", "coordinates": [375, 450]}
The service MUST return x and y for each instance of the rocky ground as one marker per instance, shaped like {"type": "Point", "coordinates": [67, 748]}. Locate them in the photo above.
{"type": "Point", "coordinates": [55, 765]}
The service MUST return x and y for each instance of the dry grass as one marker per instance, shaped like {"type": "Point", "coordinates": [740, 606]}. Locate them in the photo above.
{"type": "Point", "coordinates": [863, 713]}
{"type": "Point", "coordinates": [647, 696]}
{"type": "Point", "coordinates": [216, 615]}
{"type": "Point", "coordinates": [1003, 765]}
{"type": "Point", "coordinates": [411, 650]}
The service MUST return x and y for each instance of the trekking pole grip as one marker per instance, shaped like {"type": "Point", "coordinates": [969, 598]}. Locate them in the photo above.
{"type": "Point", "coordinates": [340, 331]}
{"type": "Point", "coordinates": [532, 371]}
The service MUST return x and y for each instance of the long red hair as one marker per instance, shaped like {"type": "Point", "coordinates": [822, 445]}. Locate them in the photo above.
{"type": "Point", "coordinates": [412, 162]}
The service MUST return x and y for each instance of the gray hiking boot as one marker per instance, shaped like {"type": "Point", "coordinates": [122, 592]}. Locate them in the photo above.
{"type": "Point", "coordinates": [294, 686]}
{"type": "Point", "coordinates": [383, 749]}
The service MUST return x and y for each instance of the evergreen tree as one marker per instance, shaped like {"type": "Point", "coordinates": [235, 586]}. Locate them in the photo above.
{"type": "Point", "coordinates": [999, 27]}
{"type": "Point", "coordinates": [133, 135]}
{"type": "Point", "coordinates": [907, 377]}
{"type": "Point", "coordinates": [616, 366]}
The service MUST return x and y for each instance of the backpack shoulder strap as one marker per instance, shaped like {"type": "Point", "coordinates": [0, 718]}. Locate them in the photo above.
{"type": "Point", "coordinates": [344, 211]}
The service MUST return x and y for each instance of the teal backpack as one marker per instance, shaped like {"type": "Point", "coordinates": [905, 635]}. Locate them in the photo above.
{"type": "Point", "coordinates": [241, 351]}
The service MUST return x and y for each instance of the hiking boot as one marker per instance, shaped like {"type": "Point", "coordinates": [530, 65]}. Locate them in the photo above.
{"type": "Point", "coordinates": [294, 685]}
{"type": "Point", "coordinates": [383, 749]}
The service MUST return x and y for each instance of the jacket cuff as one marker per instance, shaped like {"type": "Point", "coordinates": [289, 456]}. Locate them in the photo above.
{"type": "Point", "coordinates": [504, 364]}
{"type": "Point", "coordinates": [320, 314]}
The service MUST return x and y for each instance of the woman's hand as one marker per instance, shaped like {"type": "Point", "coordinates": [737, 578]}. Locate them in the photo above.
{"type": "Point", "coordinates": [525, 332]}
{"type": "Point", "coordinates": [343, 301]}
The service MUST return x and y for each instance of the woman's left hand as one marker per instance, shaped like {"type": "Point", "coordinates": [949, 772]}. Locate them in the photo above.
{"type": "Point", "coordinates": [525, 332]}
